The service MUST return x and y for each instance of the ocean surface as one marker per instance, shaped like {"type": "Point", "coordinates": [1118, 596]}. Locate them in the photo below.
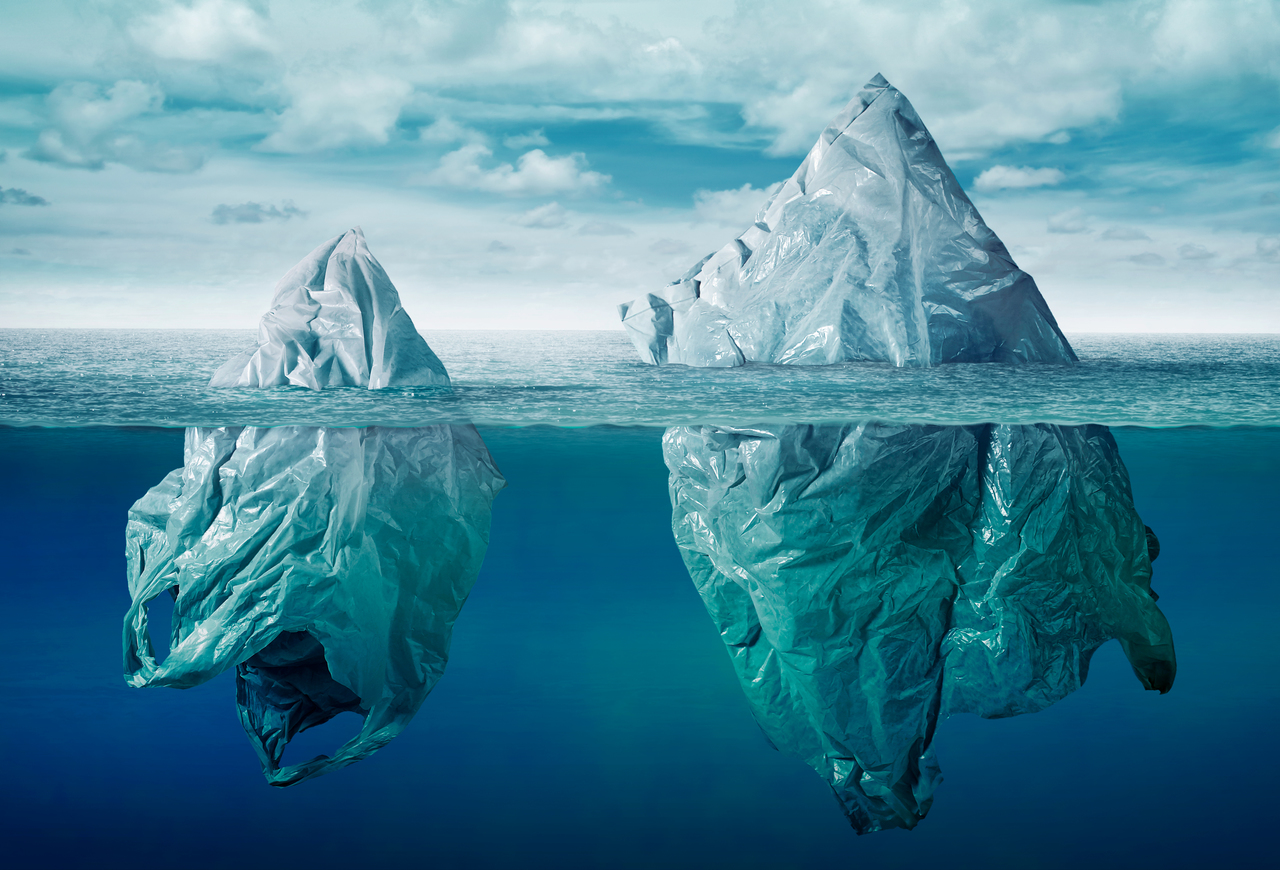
{"type": "Point", "coordinates": [159, 378]}
{"type": "Point", "coordinates": [589, 716]}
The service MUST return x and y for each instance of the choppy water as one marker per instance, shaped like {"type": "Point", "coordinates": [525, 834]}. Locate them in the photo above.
{"type": "Point", "coordinates": [513, 378]}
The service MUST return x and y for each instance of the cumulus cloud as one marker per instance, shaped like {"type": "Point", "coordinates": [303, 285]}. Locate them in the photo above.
{"type": "Point", "coordinates": [1192, 251]}
{"type": "Point", "coordinates": [983, 75]}
{"type": "Point", "coordinates": [533, 174]}
{"type": "Point", "coordinates": [1016, 177]}
{"type": "Point", "coordinates": [1072, 220]}
{"type": "Point", "coordinates": [18, 196]}
{"type": "Point", "coordinates": [1269, 247]}
{"type": "Point", "coordinates": [337, 110]}
{"type": "Point", "coordinates": [1125, 234]}
{"type": "Point", "coordinates": [735, 208]}
{"type": "Point", "coordinates": [532, 139]}
{"type": "Point", "coordinates": [604, 228]}
{"type": "Point", "coordinates": [254, 213]}
{"type": "Point", "coordinates": [446, 131]}
{"type": "Point", "coordinates": [544, 217]}
{"type": "Point", "coordinates": [90, 129]}
{"type": "Point", "coordinates": [206, 30]}
{"type": "Point", "coordinates": [1147, 259]}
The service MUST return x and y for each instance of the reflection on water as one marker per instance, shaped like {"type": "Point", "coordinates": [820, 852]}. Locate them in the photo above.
{"type": "Point", "coordinates": [326, 565]}
{"type": "Point", "coordinates": [869, 580]}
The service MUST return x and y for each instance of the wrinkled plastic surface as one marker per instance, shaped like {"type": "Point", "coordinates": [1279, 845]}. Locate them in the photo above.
{"type": "Point", "coordinates": [870, 251]}
{"type": "Point", "coordinates": [871, 579]}
{"type": "Point", "coordinates": [336, 321]}
{"type": "Point", "coordinates": [327, 565]}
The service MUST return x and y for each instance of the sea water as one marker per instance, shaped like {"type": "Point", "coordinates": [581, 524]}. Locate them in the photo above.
{"type": "Point", "coordinates": [589, 715]}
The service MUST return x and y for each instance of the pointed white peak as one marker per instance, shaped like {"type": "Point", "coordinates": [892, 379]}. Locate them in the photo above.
{"type": "Point", "coordinates": [336, 321]}
{"type": "Point", "coordinates": [870, 251]}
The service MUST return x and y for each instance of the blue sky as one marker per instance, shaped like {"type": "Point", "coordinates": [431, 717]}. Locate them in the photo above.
{"type": "Point", "coordinates": [533, 164]}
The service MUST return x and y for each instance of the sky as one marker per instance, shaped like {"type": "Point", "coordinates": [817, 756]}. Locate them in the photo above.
{"type": "Point", "coordinates": [530, 165]}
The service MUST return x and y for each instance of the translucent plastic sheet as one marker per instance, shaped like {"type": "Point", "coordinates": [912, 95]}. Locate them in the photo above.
{"type": "Point", "coordinates": [336, 321]}
{"type": "Point", "coordinates": [870, 251]}
{"type": "Point", "coordinates": [326, 565]}
{"type": "Point", "coordinates": [869, 580]}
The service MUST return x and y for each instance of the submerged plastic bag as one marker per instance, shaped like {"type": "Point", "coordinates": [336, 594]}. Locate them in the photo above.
{"type": "Point", "coordinates": [327, 565]}
{"type": "Point", "coordinates": [871, 579]}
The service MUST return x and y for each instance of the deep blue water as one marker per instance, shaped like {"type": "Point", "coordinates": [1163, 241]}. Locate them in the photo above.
{"type": "Point", "coordinates": [589, 715]}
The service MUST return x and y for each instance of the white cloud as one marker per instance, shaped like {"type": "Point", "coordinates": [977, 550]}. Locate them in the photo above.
{"type": "Point", "coordinates": [90, 129]}
{"type": "Point", "coordinates": [1125, 234]}
{"type": "Point", "coordinates": [670, 55]}
{"type": "Point", "coordinates": [1192, 251]}
{"type": "Point", "coordinates": [732, 208]}
{"type": "Point", "coordinates": [546, 217]}
{"type": "Point", "coordinates": [1273, 139]}
{"type": "Point", "coordinates": [338, 110]}
{"type": "Point", "coordinates": [982, 75]}
{"type": "Point", "coordinates": [446, 131]}
{"type": "Point", "coordinates": [1147, 259]}
{"type": "Point", "coordinates": [533, 174]}
{"type": "Point", "coordinates": [206, 30]}
{"type": "Point", "coordinates": [532, 139]}
{"type": "Point", "coordinates": [1269, 247]}
{"type": "Point", "coordinates": [1200, 36]}
{"type": "Point", "coordinates": [79, 109]}
{"type": "Point", "coordinates": [1073, 220]}
{"type": "Point", "coordinates": [1002, 177]}
{"type": "Point", "coordinates": [796, 118]}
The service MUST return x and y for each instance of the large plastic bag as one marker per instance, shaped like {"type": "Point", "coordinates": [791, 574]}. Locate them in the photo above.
{"type": "Point", "coordinates": [870, 251]}
{"type": "Point", "coordinates": [327, 565]}
{"type": "Point", "coordinates": [871, 579]}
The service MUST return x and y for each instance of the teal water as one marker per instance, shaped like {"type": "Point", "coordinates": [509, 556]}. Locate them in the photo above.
{"type": "Point", "coordinates": [160, 377]}
{"type": "Point", "coordinates": [589, 715]}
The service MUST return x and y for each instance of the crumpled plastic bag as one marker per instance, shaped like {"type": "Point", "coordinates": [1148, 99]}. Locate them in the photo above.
{"type": "Point", "coordinates": [870, 251]}
{"type": "Point", "coordinates": [869, 580]}
{"type": "Point", "coordinates": [327, 565]}
{"type": "Point", "coordinates": [336, 321]}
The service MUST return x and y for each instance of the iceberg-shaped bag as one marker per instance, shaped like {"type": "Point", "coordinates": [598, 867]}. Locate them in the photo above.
{"type": "Point", "coordinates": [327, 565]}
{"type": "Point", "coordinates": [870, 579]}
